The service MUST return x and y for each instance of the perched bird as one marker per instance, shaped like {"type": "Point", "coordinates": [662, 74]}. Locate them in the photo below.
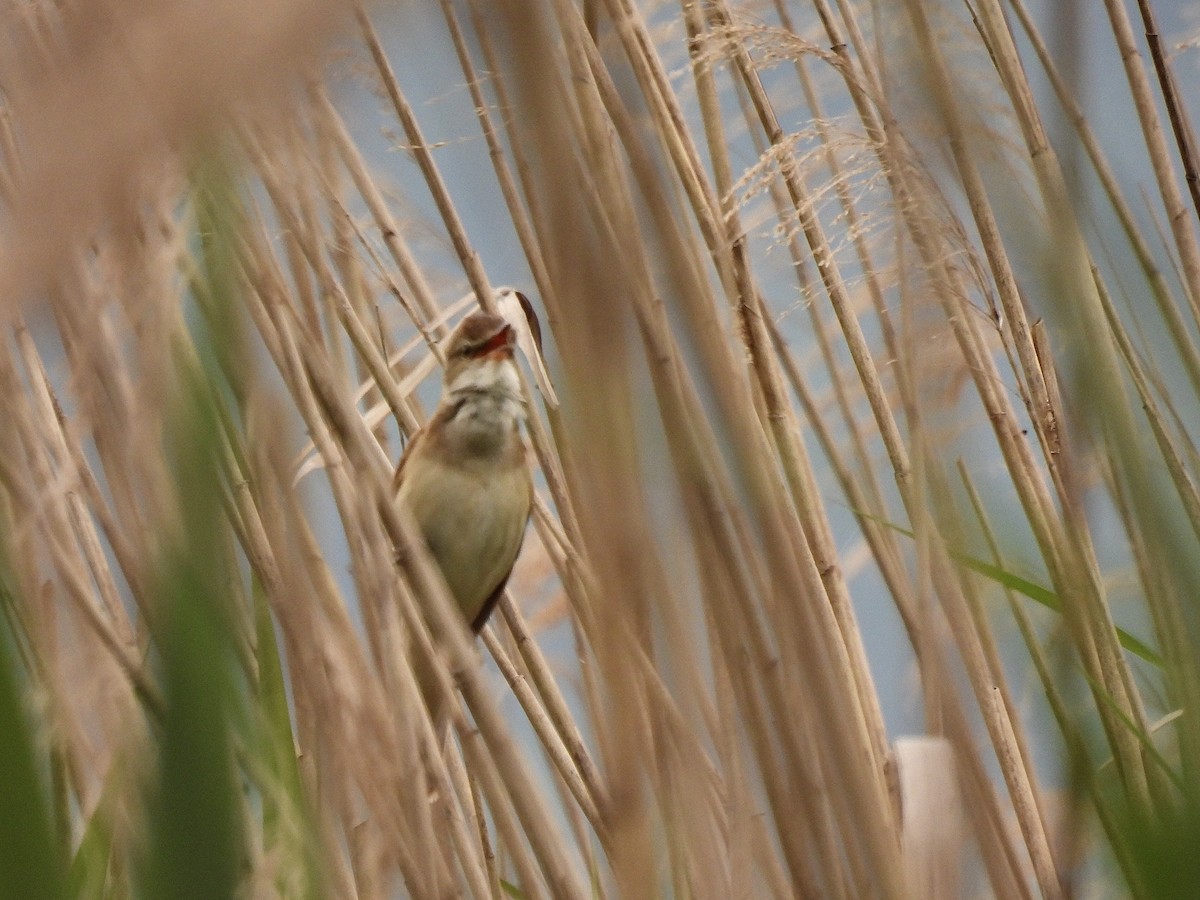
{"type": "Point", "coordinates": [463, 477]}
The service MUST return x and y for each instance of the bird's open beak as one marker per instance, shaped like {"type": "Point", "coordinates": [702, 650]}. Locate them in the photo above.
{"type": "Point", "coordinates": [502, 342]}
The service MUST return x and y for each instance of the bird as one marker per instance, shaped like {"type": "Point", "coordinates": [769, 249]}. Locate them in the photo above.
{"type": "Point", "coordinates": [463, 478]}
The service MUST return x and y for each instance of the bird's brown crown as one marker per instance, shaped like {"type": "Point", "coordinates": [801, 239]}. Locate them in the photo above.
{"type": "Point", "coordinates": [476, 334]}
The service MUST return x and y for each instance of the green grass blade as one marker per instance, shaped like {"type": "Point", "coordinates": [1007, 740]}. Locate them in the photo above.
{"type": "Point", "coordinates": [197, 850]}
{"type": "Point", "coordinates": [1031, 589]}
{"type": "Point", "coordinates": [30, 863]}
{"type": "Point", "coordinates": [195, 817]}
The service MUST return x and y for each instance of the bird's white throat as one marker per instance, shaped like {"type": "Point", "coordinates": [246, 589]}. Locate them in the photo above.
{"type": "Point", "coordinates": [487, 399]}
{"type": "Point", "coordinates": [490, 375]}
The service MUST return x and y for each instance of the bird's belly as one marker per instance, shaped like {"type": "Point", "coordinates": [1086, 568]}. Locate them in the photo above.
{"type": "Point", "coordinates": [472, 525]}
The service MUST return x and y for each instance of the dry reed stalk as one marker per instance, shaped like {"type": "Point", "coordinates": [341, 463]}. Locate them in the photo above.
{"type": "Point", "coordinates": [1181, 129]}
{"type": "Point", "coordinates": [1180, 221]}
{"type": "Point", "coordinates": [1163, 295]}
{"type": "Point", "coordinates": [785, 429]}
{"type": "Point", "coordinates": [1115, 415]}
{"type": "Point", "coordinates": [429, 170]}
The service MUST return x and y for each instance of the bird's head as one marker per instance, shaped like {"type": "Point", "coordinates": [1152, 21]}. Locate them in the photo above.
{"type": "Point", "coordinates": [479, 353]}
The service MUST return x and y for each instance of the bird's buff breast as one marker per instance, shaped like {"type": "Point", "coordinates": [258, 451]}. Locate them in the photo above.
{"type": "Point", "coordinates": [473, 525]}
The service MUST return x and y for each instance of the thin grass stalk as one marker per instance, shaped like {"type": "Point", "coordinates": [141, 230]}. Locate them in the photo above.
{"type": "Point", "coordinates": [1116, 415]}
{"type": "Point", "coordinates": [1182, 480]}
{"type": "Point", "coordinates": [292, 189]}
{"type": "Point", "coordinates": [798, 743]}
{"type": "Point", "coordinates": [1022, 787]}
{"type": "Point", "coordinates": [739, 802]}
{"type": "Point", "coordinates": [472, 846]}
{"type": "Point", "coordinates": [831, 278]}
{"type": "Point", "coordinates": [1165, 301]}
{"type": "Point", "coordinates": [848, 37]}
{"type": "Point", "coordinates": [1068, 725]}
{"type": "Point", "coordinates": [784, 428]}
{"type": "Point", "coordinates": [688, 789]}
{"type": "Point", "coordinates": [693, 786]}
{"type": "Point", "coordinates": [117, 537]}
{"type": "Point", "coordinates": [363, 567]}
{"type": "Point", "coordinates": [556, 706]}
{"type": "Point", "coordinates": [9, 167]}
{"type": "Point", "coordinates": [812, 827]}
{"type": "Point", "coordinates": [783, 786]}
{"type": "Point", "coordinates": [1181, 223]}
{"type": "Point", "coordinates": [114, 522]}
{"type": "Point", "coordinates": [790, 739]}
{"type": "Point", "coordinates": [1003, 278]}
{"type": "Point", "coordinates": [1170, 628]}
{"type": "Point", "coordinates": [66, 461]}
{"type": "Point", "coordinates": [881, 539]}
{"type": "Point", "coordinates": [283, 582]}
{"type": "Point", "coordinates": [820, 330]}
{"type": "Point", "coordinates": [945, 713]}
{"type": "Point", "coordinates": [521, 220]}
{"type": "Point", "coordinates": [76, 585]}
{"type": "Point", "coordinates": [459, 773]}
{"type": "Point", "coordinates": [836, 173]}
{"type": "Point", "coordinates": [669, 432]}
{"type": "Point", "coordinates": [707, 327]}
{"type": "Point", "coordinates": [850, 792]}
{"type": "Point", "coordinates": [867, 93]}
{"type": "Point", "coordinates": [1026, 479]}
{"type": "Point", "coordinates": [414, 874]}
{"type": "Point", "coordinates": [520, 162]}
{"type": "Point", "coordinates": [420, 150]}
{"type": "Point", "coordinates": [321, 695]}
{"type": "Point", "coordinates": [891, 148]}
{"type": "Point", "coordinates": [412, 828]}
{"type": "Point", "coordinates": [1185, 139]}
{"type": "Point", "coordinates": [298, 231]}
{"type": "Point", "coordinates": [330, 123]}
{"type": "Point", "coordinates": [330, 188]}
{"type": "Point", "coordinates": [293, 370]}
{"type": "Point", "coordinates": [1006, 875]}
{"type": "Point", "coordinates": [533, 881]}
{"type": "Point", "coordinates": [1000, 684]}
{"type": "Point", "coordinates": [540, 721]}
{"type": "Point", "coordinates": [675, 137]}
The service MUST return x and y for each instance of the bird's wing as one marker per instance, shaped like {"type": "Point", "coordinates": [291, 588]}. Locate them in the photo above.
{"type": "Point", "coordinates": [485, 611]}
{"type": "Point", "coordinates": [494, 597]}
{"type": "Point", "coordinates": [398, 477]}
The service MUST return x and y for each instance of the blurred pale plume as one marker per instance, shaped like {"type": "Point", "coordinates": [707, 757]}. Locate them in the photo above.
{"type": "Point", "coordinates": [105, 97]}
